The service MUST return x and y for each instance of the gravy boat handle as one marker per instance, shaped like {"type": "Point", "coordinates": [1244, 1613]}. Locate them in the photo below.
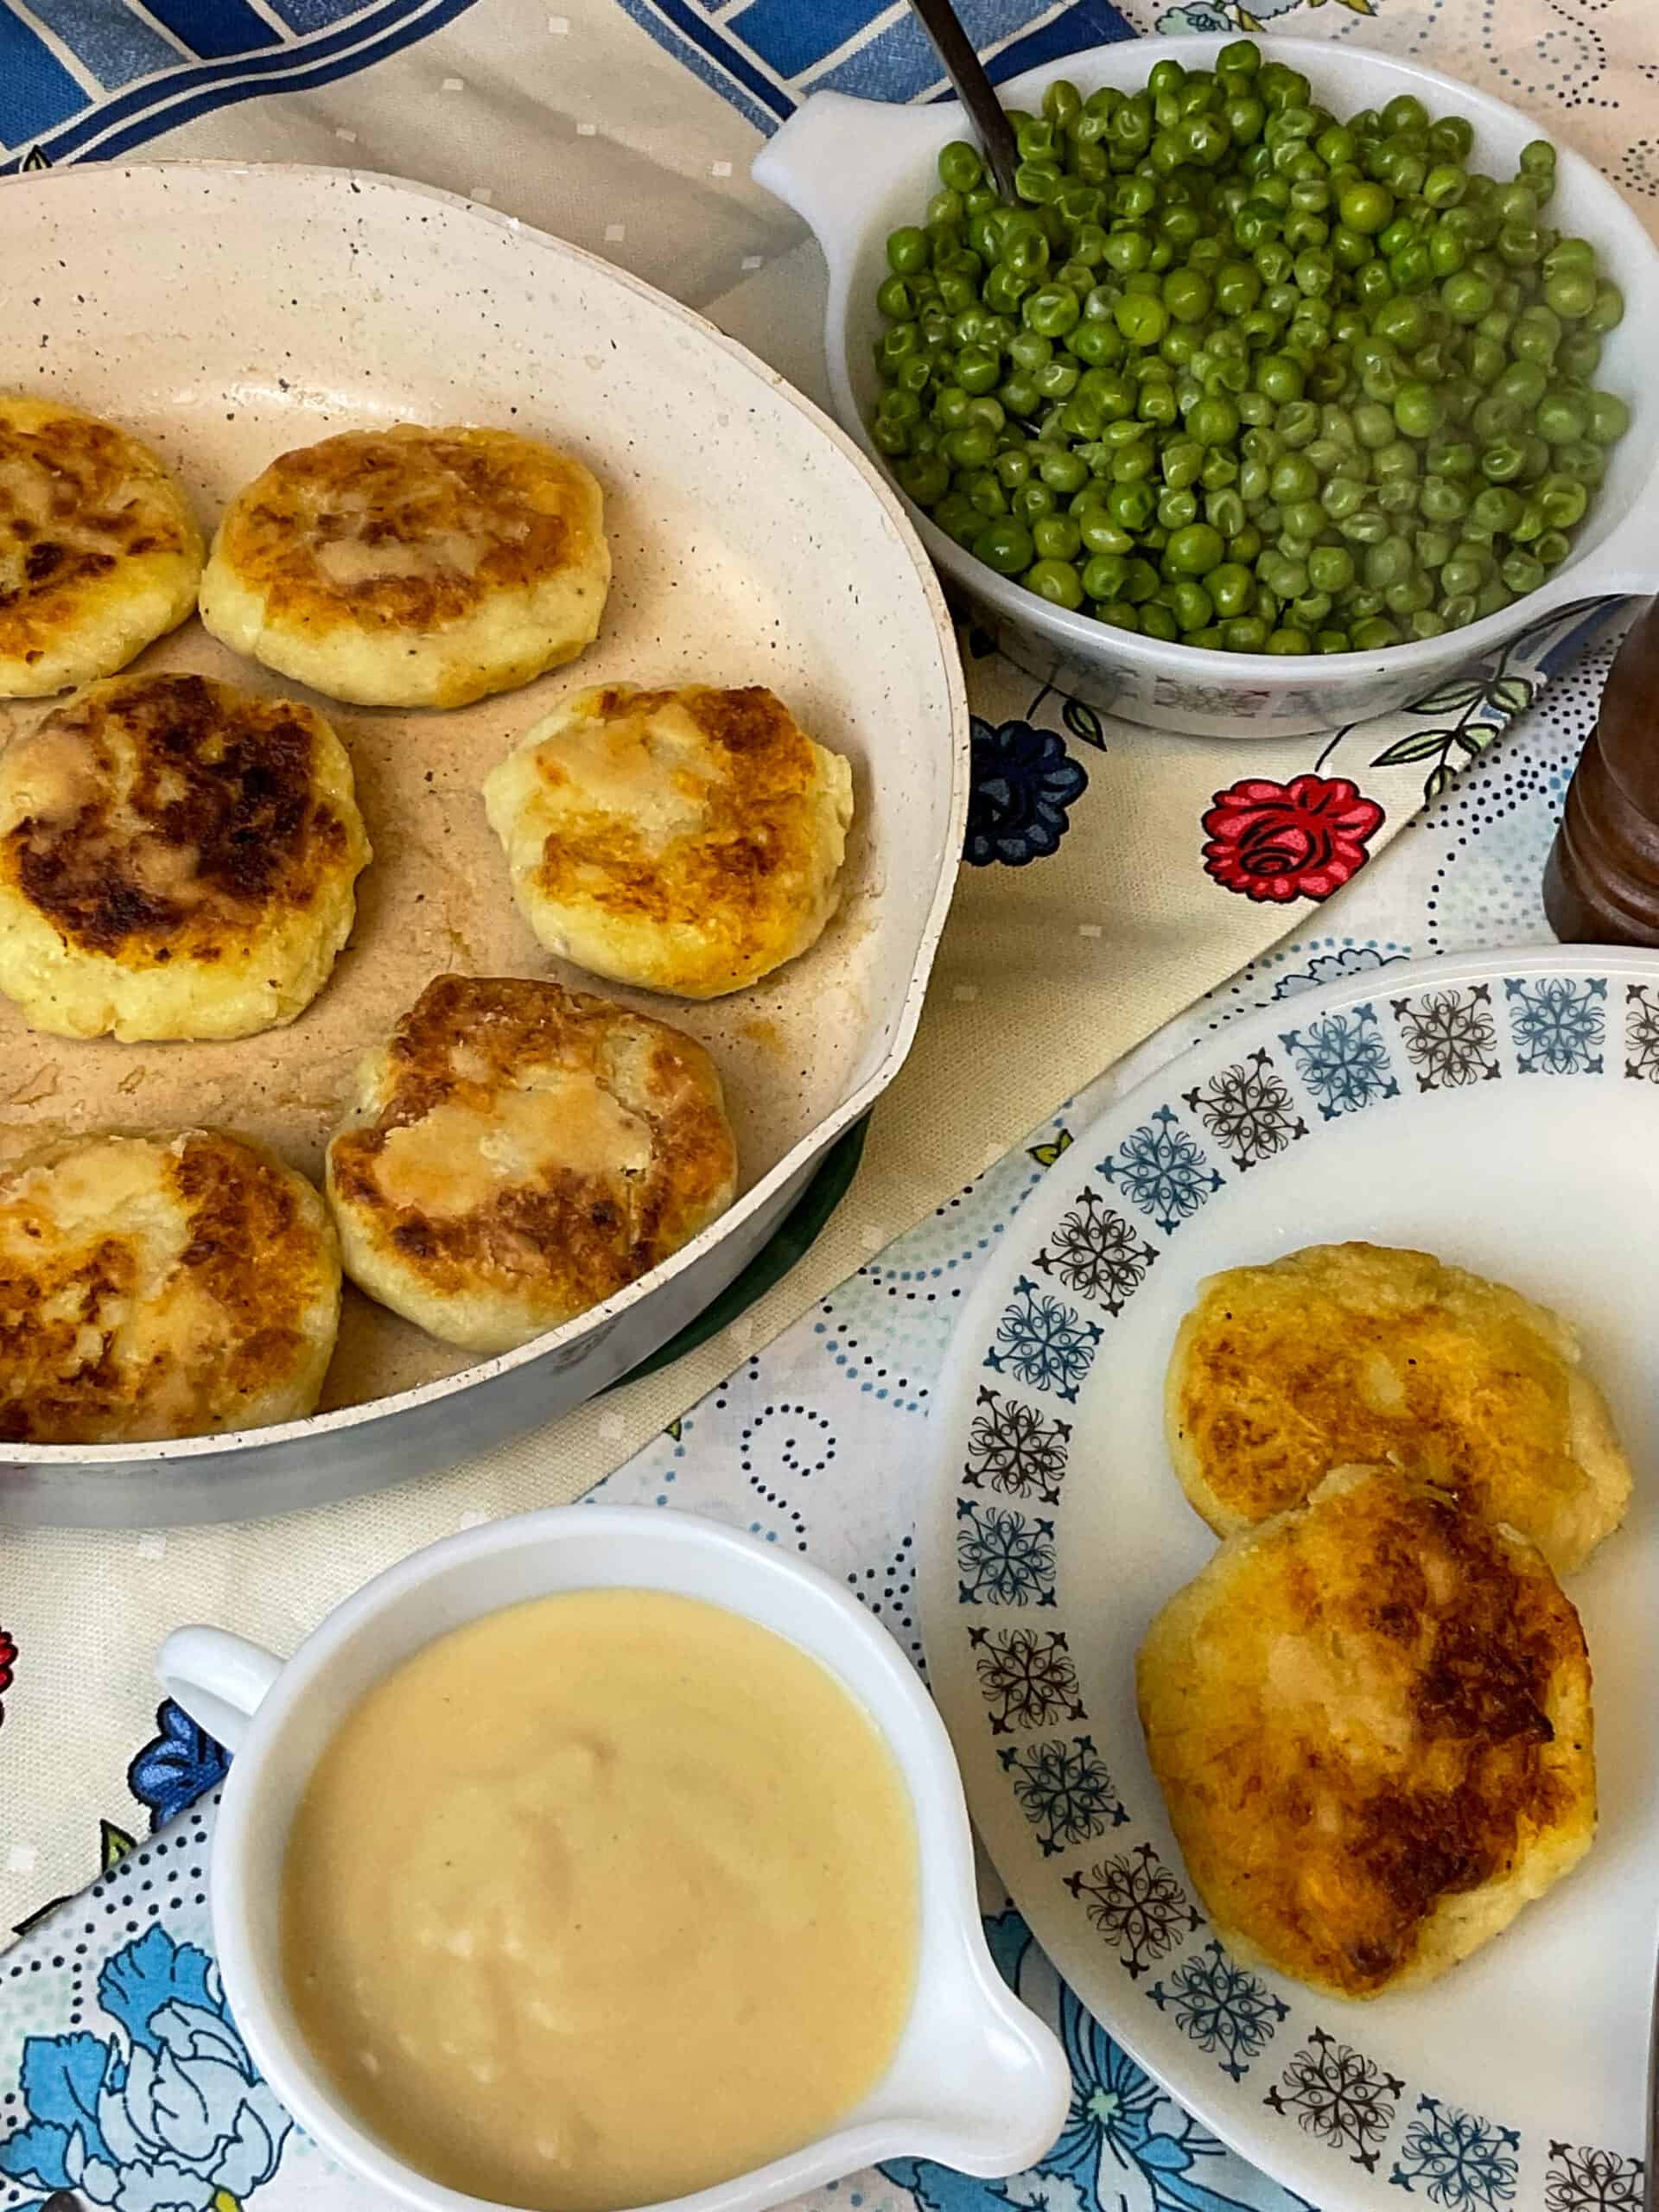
{"type": "Point", "coordinates": [219, 1679]}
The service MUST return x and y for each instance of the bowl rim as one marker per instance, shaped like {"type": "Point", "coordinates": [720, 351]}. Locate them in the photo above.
{"type": "Point", "coordinates": [1575, 582]}
{"type": "Point", "coordinates": [895, 511]}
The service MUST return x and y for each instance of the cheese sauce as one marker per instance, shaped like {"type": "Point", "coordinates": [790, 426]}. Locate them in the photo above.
{"type": "Point", "coordinates": [601, 1899]}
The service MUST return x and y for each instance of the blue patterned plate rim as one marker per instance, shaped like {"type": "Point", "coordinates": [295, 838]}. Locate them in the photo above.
{"type": "Point", "coordinates": [1345, 1110]}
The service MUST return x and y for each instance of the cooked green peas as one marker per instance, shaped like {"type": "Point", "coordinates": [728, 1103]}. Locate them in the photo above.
{"type": "Point", "coordinates": [1232, 371]}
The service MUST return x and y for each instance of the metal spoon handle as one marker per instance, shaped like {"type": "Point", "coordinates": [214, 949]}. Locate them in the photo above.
{"type": "Point", "coordinates": [974, 88]}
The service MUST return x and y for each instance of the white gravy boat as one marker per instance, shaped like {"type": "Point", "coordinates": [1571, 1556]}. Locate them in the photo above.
{"type": "Point", "coordinates": [977, 2081]}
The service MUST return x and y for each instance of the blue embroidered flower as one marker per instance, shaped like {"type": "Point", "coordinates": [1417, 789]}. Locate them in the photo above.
{"type": "Point", "coordinates": [169, 2117]}
{"type": "Point", "coordinates": [1194, 16]}
{"type": "Point", "coordinates": [1023, 781]}
{"type": "Point", "coordinates": [177, 1766]}
{"type": "Point", "coordinates": [1559, 1025]}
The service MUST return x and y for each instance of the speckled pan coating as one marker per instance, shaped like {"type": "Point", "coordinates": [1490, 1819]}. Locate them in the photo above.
{"type": "Point", "coordinates": [228, 312]}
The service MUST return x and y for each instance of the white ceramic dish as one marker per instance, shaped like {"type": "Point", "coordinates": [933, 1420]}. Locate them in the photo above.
{"type": "Point", "coordinates": [977, 2081]}
{"type": "Point", "coordinates": [855, 170]}
{"type": "Point", "coordinates": [752, 543]}
{"type": "Point", "coordinates": [1504, 1113]}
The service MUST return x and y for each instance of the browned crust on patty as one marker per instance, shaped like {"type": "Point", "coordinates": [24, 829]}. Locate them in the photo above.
{"type": "Point", "coordinates": [753, 834]}
{"type": "Point", "coordinates": [564, 1238]}
{"type": "Point", "coordinates": [1367, 1710]}
{"type": "Point", "coordinates": [525, 507]}
{"type": "Point", "coordinates": [255, 1264]}
{"type": "Point", "coordinates": [189, 812]}
{"type": "Point", "coordinates": [89, 466]}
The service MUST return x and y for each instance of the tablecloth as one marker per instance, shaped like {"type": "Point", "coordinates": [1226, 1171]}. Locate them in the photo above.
{"type": "Point", "coordinates": [1089, 914]}
{"type": "Point", "coordinates": [127, 2086]}
{"type": "Point", "coordinates": [1103, 889]}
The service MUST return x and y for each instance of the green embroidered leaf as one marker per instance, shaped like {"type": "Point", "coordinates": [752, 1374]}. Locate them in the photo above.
{"type": "Point", "coordinates": [1082, 721]}
{"type": "Point", "coordinates": [1453, 698]}
{"type": "Point", "coordinates": [1510, 694]}
{"type": "Point", "coordinates": [1474, 737]}
{"type": "Point", "coordinates": [35, 159]}
{"type": "Point", "coordinates": [1046, 1154]}
{"type": "Point", "coordinates": [1441, 779]}
{"type": "Point", "coordinates": [1418, 746]}
{"type": "Point", "coordinates": [113, 1844]}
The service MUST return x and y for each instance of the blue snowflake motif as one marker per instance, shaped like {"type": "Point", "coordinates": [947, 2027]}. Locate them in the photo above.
{"type": "Point", "coordinates": [1559, 1025]}
{"type": "Point", "coordinates": [178, 1765]}
{"type": "Point", "coordinates": [1043, 1342]}
{"type": "Point", "coordinates": [1064, 1790]}
{"type": "Point", "coordinates": [1223, 2007]}
{"type": "Point", "coordinates": [1459, 2159]}
{"type": "Point", "coordinates": [1343, 1060]}
{"type": "Point", "coordinates": [1161, 1170]}
{"type": "Point", "coordinates": [1004, 1558]}
{"type": "Point", "coordinates": [1024, 779]}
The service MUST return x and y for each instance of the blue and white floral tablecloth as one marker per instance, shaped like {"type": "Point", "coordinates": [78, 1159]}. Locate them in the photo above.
{"type": "Point", "coordinates": [1112, 879]}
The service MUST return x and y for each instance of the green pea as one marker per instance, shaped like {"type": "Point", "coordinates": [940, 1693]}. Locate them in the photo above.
{"type": "Point", "coordinates": [1609, 417]}
{"type": "Point", "coordinates": [1057, 537]}
{"type": "Point", "coordinates": [1103, 576]}
{"type": "Point", "coordinates": [1366, 208]}
{"type": "Point", "coordinates": [1467, 296]}
{"type": "Point", "coordinates": [1191, 604]}
{"type": "Point", "coordinates": [1418, 410]}
{"type": "Point", "coordinates": [1006, 546]}
{"type": "Point", "coordinates": [1193, 550]}
{"type": "Point", "coordinates": [959, 166]}
{"type": "Point", "coordinates": [1561, 501]}
{"type": "Point", "coordinates": [1570, 293]}
{"type": "Point", "coordinates": [926, 479]}
{"type": "Point", "coordinates": [1178, 508]}
{"type": "Point", "coordinates": [1553, 548]}
{"type": "Point", "coordinates": [1102, 535]}
{"type": "Point", "coordinates": [1033, 500]}
{"type": "Point", "coordinates": [1057, 582]}
{"type": "Point", "coordinates": [1140, 320]}
{"type": "Point", "coordinates": [1373, 635]}
{"type": "Point", "coordinates": [1561, 418]}
{"type": "Point", "coordinates": [1213, 421]}
{"type": "Point", "coordinates": [1607, 311]}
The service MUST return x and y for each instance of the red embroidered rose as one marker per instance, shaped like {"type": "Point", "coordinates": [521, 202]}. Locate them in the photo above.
{"type": "Point", "coordinates": [8, 1658]}
{"type": "Point", "coordinates": [1280, 842]}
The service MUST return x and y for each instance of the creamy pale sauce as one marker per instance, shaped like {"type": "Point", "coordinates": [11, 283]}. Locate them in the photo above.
{"type": "Point", "coordinates": [602, 1900]}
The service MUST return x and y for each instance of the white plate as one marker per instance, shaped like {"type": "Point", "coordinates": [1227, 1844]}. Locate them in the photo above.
{"type": "Point", "coordinates": [1504, 1113]}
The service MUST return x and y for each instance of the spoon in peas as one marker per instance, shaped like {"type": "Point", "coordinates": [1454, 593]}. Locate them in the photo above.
{"type": "Point", "coordinates": [973, 89]}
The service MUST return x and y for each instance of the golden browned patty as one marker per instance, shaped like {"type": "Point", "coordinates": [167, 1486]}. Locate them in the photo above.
{"type": "Point", "coordinates": [520, 1152]}
{"type": "Point", "coordinates": [165, 1285]}
{"type": "Point", "coordinates": [1348, 1352]}
{"type": "Point", "coordinates": [1370, 1721]}
{"type": "Point", "coordinates": [687, 841]}
{"type": "Point", "coordinates": [98, 552]}
{"type": "Point", "coordinates": [177, 860]}
{"type": "Point", "coordinates": [412, 568]}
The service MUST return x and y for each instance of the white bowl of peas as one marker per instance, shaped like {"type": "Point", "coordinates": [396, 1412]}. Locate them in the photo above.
{"type": "Point", "coordinates": [1298, 378]}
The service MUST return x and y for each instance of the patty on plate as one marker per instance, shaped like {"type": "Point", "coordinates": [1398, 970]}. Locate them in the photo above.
{"type": "Point", "coordinates": [1358, 1351]}
{"type": "Point", "coordinates": [1371, 1720]}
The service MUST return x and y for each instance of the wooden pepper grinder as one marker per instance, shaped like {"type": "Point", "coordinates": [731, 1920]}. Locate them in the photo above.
{"type": "Point", "coordinates": [1601, 886]}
